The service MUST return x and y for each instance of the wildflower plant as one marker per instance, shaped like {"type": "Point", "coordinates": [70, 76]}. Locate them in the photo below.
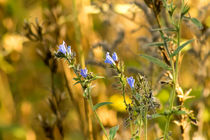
{"type": "Point", "coordinates": [119, 68]}
{"type": "Point", "coordinates": [85, 78]}
{"type": "Point", "coordinates": [143, 103]}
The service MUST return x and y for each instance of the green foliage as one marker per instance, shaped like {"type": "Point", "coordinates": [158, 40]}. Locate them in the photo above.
{"type": "Point", "coordinates": [181, 47]}
{"type": "Point", "coordinates": [101, 104]}
{"type": "Point", "coordinates": [185, 10]}
{"type": "Point", "coordinates": [156, 61]}
{"type": "Point", "coordinates": [157, 44]}
{"type": "Point", "coordinates": [112, 132]}
{"type": "Point", "coordinates": [197, 23]}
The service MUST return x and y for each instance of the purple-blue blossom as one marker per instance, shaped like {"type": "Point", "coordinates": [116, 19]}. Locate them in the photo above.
{"type": "Point", "coordinates": [84, 72]}
{"type": "Point", "coordinates": [69, 50]}
{"type": "Point", "coordinates": [131, 81]}
{"type": "Point", "coordinates": [109, 59]}
{"type": "Point", "coordinates": [62, 48]}
{"type": "Point", "coordinates": [114, 56]}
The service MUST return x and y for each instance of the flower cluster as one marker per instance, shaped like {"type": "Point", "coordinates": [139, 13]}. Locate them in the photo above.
{"type": "Point", "coordinates": [64, 51]}
{"type": "Point", "coordinates": [83, 77]}
{"type": "Point", "coordinates": [111, 60]}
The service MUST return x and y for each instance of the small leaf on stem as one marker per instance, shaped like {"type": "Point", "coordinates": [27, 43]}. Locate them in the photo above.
{"type": "Point", "coordinates": [101, 104]}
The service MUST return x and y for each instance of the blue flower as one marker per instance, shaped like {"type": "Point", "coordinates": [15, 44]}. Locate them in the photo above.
{"type": "Point", "coordinates": [84, 72]}
{"type": "Point", "coordinates": [114, 56]}
{"type": "Point", "coordinates": [131, 81]}
{"type": "Point", "coordinates": [62, 48]}
{"type": "Point", "coordinates": [109, 59]}
{"type": "Point", "coordinates": [69, 50]}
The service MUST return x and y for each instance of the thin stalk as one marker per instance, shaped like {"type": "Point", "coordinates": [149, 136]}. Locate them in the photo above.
{"type": "Point", "coordinates": [174, 81]}
{"type": "Point", "coordinates": [122, 83]}
{"type": "Point", "coordinates": [97, 117]}
{"type": "Point", "coordinates": [145, 124]}
{"type": "Point", "coordinates": [175, 77]}
{"type": "Point", "coordinates": [174, 71]}
{"type": "Point", "coordinates": [131, 127]}
{"type": "Point", "coordinates": [123, 90]}
{"type": "Point", "coordinates": [171, 100]}
{"type": "Point", "coordinates": [74, 101]}
{"type": "Point", "coordinates": [60, 126]}
{"type": "Point", "coordinates": [139, 127]}
{"type": "Point", "coordinates": [82, 62]}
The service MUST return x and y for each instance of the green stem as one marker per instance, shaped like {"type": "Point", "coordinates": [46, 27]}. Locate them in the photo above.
{"type": "Point", "coordinates": [131, 127]}
{"type": "Point", "coordinates": [123, 90]}
{"type": "Point", "coordinates": [139, 127]}
{"type": "Point", "coordinates": [145, 124]}
{"type": "Point", "coordinates": [97, 117]}
{"type": "Point", "coordinates": [122, 81]}
{"type": "Point", "coordinates": [173, 70]}
{"type": "Point", "coordinates": [175, 78]}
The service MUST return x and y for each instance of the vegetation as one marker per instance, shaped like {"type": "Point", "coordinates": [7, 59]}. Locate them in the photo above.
{"type": "Point", "coordinates": [100, 69]}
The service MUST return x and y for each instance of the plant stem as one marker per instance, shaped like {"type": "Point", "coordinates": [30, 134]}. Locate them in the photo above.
{"type": "Point", "coordinates": [97, 117]}
{"type": "Point", "coordinates": [82, 62]}
{"type": "Point", "coordinates": [123, 90]}
{"type": "Point", "coordinates": [74, 101]}
{"type": "Point", "coordinates": [175, 77]}
{"type": "Point", "coordinates": [131, 127]}
{"type": "Point", "coordinates": [139, 127]}
{"type": "Point", "coordinates": [145, 124]}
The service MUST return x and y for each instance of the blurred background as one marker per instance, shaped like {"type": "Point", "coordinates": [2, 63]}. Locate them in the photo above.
{"type": "Point", "coordinates": [30, 32]}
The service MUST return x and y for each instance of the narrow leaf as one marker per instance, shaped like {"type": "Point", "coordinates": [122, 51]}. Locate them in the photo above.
{"type": "Point", "coordinates": [155, 44]}
{"type": "Point", "coordinates": [185, 10]}
{"type": "Point", "coordinates": [164, 29]}
{"type": "Point", "coordinates": [178, 112]}
{"type": "Point", "coordinates": [112, 132]}
{"type": "Point", "coordinates": [197, 23]}
{"type": "Point", "coordinates": [156, 61]}
{"type": "Point", "coordinates": [101, 104]}
{"type": "Point", "coordinates": [153, 116]}
{"type": "Point", "coordinates": [181, 47]}
{"type": "Point", "coordinates": [77, 83]}
{"type": "Point", "coordinates": [97, 77]}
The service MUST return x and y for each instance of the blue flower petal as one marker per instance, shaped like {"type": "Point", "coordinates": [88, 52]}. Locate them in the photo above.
{"type": "Point", "coordinates": [131, 81]}
{"type": "Point", "coordinates": [62, 48]}
{"type": "Point", "coordinates": [109, 59]}
{"type": "Point", "coordinates": [69, 50]}
{"type": "Point", "coordinates": [84, 72]}
{"type": "Point", "coordinates": [114, 56]}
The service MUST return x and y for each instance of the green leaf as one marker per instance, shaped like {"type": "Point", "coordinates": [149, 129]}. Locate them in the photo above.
{"type": "Point", "coordinates": [185, 10]}
{"type": "Point", "coordinates": [197, 23]}
{"type": "Point", "coordinates": [76, 79]}
{"type": "Point", "coordinates": [153, 116]}
{"type": "Point", "coordinates": [178, 112]}
{"type": "Point", "coordinates": [172, 9]}
{"type": "Point", "coordinates": [156, 61]}
{"type": "Point", "coordinates": [164, 29]}
{"type": "Point", "coordinates": [155, 44]}
{"type": "Point", "coordinates": [99, 77]}
{"type": "Point", "coordinates": [77, 83]}
{"type": "Point", "coordinates": [181, 47]}
{"type": "Point", "coordinates": [112, 132]}
{"type": "Point", "coordinates": [101, 104]}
